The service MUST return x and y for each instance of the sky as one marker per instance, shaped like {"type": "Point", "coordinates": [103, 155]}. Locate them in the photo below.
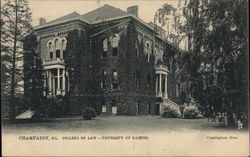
{"type": "Point", "coordinates": [52, 9]}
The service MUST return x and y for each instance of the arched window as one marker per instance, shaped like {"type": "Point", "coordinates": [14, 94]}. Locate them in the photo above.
{"type": "Point", "coordinates": [147, 46]}
{"type": "Point", "coordinates": [64, 43]}
{"type": "Point", "coordinates": [51, 53]}
{"type": "Point", "coordinates": [148, 50]}
{"type": "Point", "coordinates": [57, 47]}
{"type": "Point", "coordinates": [115, 43]}
{"type": "Point", "coordinates": [105, 48]}
{"type": "Point", "coordinates": [161, 53]}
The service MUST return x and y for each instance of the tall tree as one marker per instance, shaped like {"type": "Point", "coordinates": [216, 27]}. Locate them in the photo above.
{"type": "Point", "coordinates": [33, 73]}
{"type": "Point", "coordinates": [216, 66]}
{"type": "Point", "coordinates": [16, 19]}
{"type": "Point", "coordinates": [225, 45]}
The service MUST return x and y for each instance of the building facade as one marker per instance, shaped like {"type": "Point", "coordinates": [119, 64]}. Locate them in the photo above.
{"type": "Point", "coordinates": [108, 59]}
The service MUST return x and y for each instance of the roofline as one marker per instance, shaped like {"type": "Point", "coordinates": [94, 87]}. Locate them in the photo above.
{"type": "Point", "coordinates": [61, 22]}
{"type": "Point", "coordinates": [95, 22]}
{"type": "Point", "coordinates": [100, 21]}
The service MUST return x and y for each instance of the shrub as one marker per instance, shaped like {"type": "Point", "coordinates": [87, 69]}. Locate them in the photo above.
{"type": "Point", "coordinates": [191, 112]}
{"type": "Point", "coordinates": [89, 113]}
{"type": "Point", "coordinates": [51, 107]}
{"type": "Point", "coordinates": [171, 112]}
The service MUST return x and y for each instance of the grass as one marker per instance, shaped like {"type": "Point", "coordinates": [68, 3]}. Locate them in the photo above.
{"type": "Point", "coordinates": [113, 124]}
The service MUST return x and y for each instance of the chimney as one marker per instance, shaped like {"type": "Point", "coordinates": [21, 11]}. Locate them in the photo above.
{"type": "Point", "coordinates": [42, 21]}
{"type": "Point", "coordinates": [133, 10]}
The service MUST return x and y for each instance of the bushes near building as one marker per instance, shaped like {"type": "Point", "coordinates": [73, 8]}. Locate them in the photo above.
{"type": "Point", "coordinates": [51, 107]}
{"type": "Point", "coordinates": [190, 112]}
{"type": "Point", "coordinates": [171, 112]}
{"type": "Point", "coordinates": [89, 113]}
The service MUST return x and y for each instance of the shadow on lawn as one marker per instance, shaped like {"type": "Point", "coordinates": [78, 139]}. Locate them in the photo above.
{"type": "Point", "coordinates": [42, 120]}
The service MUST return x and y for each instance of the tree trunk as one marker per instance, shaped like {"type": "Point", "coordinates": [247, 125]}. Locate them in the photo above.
{"type": "Point", "coordinates": [12, 90]}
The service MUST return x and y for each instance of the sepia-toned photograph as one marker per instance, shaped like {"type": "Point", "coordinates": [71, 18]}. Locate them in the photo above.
{"type": "Point", "coordinates": [125, 77]}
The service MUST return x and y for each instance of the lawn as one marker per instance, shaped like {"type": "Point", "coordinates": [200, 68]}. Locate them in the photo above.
{"type": "Point", "coordinates": [114, 124]}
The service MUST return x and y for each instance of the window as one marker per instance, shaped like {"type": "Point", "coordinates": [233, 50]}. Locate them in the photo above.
{"type": "Point", "coordinates": [115, 43]}
{"type": "Point", "coordinates": [148, 79]}
{"type": "Point", "coordinates": [114, 85]}
{"type": "Point", "coordinates": [114, 78]}
{"type": "Point", "coordinates": [57, 44]}
{"type": "Point", "coordinates": [51, 55]}
{"type": "Point", "coordinates": [148, 50]}
{"type": "Point", "coordinates": [63, 44]}
{"type": "Point", "coordinates": [105, 48]}
{"type": "Point", "coordinates": [137, 80]}
{"type": "Point", "coordinates": [103, 84]}
{"type": "Point", "coordinates": [63, 47]}
{"type": "Point", "coordinates": [57, 53]}
{"type": "Point", "coordinates": [161, 53]}
{"type": "Point", "coordinates": [115, 40]}
{"type": "Point", "coordinates": [104, 108]}
{"type": "Point", "coordinates": [114, 107]}
{"type": "Point", "coordinates": [115, 51]}
{"type": "Point", "coordinates": [50, 48]}
{"type": "Point", "coordinates": [115, 74]}
{"type": "Point", "coordinates": [104, 54]}
{"type": "Point", "coordinates": [137, 49]}
{"type": "Point", "coordinates": [57, 47]}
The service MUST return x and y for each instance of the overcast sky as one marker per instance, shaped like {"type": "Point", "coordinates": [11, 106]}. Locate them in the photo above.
{"type": "Point", "coordinates": [52, 9]}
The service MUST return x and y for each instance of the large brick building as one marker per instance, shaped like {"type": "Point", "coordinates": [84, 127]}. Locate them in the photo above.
{"type": "Point", "coordinates": [125, 67]}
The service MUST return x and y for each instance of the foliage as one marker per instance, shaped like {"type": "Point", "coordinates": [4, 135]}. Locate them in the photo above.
{"type": "Point", "coordinates": [171, 112]}
{"type": "Point", "coordinates": [15, 24]}
{"type": "Point", "coordinates": [213, 71]}
{"type": "Point", "coordinates": [89, 113]}
{"type": "Point", "coordinates": [191, 112]}
{"type": "Point", "coordinates": [52, 107]}
{"type": "Point", "coordinates": [33, 73]}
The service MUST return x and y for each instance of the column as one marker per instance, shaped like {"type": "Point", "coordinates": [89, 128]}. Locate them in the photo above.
{"type": "Point", "coordinates": [156, 86]}
{"type": "Point", "coordinates": [44, 82]}
{"type": "Point", "coordinates": [68, 81]}
{"type": "Point", "coordinates": [63, 82]}
{"type": "Point", "coordinates": [54, 86]}
{"type": "Point", "coordinates": [50, 82]}
{"type": "Point", "coordinates": [160, 90]}
{"type": "Point", "coordinates": [58, 81]}
{"type": "Point", "coordinates": [166, 86]}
